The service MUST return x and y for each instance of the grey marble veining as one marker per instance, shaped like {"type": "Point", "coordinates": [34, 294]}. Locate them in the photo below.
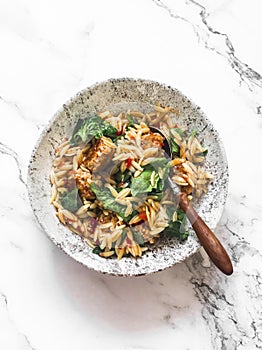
{"type": "Point", "coordinates": [210, 50]}
{"type": "Point", "coordinates": [210, 37]}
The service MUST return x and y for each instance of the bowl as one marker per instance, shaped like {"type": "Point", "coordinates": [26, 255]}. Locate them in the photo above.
{"type": "Point", "coordinates": [117, 95]}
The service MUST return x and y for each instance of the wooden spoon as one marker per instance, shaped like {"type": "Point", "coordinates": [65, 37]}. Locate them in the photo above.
{"type": "Point", "coordinates": [207, 238]}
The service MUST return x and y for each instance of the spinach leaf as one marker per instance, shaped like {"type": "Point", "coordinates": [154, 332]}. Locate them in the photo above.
{"type": "Point", "coordinates": [203, 154]}
{"type": "Point", "coordinates": [105, 196]}
{"type": "Point", "coordinates": [165, 172]}
{"type": "Point", "coordinates": [142, 183]}
{"type": "Point", "coordinates": [138, 237]}
{"type": "Point", "coordinates": [159, 163]}
{"type": "Point", "coordinates": [77, 133]}
{"type": "Point", "coordinates": [87, 128]}
{"type": "Point", "coordinates": [160, 186]}
{"type": "Point", "coordinates": [131, 120]}
{"type": "Point", "coordinates": [175, 148]}
{"type": "Point", "coordinates": [122, 177]}
{"type": "Point", "coordinates": [97, 250]}
{"type": "Point", "coordinates": [178, 130]}
{"type": "Point", "coordinates": [157, 195]}
{"type": "Point", "coordinates": [177, 229]}
{"type": "Point", "coordinates": [163, 164]}
{"type": "Point", "coordinates": [170, 211]}
{"type": "Point", "coordinates": [108, 130]}
{"type": "Point", "coordinates": [181, 215]}
{"type": "Point", "coordinates": [70, 200]}
{"type": "Point", "coordinates": [193, 133]}
{"type": "Point", "coordinates": [95, 127]}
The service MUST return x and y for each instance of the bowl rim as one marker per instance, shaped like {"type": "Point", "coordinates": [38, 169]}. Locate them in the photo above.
{"type": "Point", "coordinates": [49, 124]}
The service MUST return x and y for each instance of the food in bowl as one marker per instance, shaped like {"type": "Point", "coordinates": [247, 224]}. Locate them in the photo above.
{"type": "Point", "coordinates": [109, 180]}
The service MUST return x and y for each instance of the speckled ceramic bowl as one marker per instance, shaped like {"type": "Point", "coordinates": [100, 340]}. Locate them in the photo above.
{"type": "Point", "coordinates": [118, 95]}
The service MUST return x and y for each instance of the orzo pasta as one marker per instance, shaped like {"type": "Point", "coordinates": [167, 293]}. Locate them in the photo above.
{"type": "Point", "coordinates": [108, 180]}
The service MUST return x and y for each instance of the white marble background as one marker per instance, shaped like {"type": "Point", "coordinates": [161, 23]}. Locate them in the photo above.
{"type": "Point", "coordinates": [211, 51]}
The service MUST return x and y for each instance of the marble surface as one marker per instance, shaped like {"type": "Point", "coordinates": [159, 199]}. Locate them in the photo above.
{"type": "Point", "coordinates": [211, 51]}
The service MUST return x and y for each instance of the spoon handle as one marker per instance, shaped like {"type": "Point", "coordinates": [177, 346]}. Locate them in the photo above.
{"type": "Point", "coordinates": [207, 238]}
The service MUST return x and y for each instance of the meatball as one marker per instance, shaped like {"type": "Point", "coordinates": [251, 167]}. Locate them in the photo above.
{"type": "Point", "coordinates": [100, 155]}
{"type": "Point", "coordinates": [104, 219]}
{"type": "Point", "coordinates": [152, 140]}
{"type": "Point", "coordinates": [83, 180]}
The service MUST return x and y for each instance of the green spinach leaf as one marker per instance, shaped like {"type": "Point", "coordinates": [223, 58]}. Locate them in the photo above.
{"type": "Point", "coordinates": [138, 237]}
{"type": "Point", "coordinates": [159, 163]}
{"type": "Point", "coordinates": [122, 177]}
{"type": "Point", "coordinates": [70, 200]}
{"type": "Point", "coordinates": [202, 154]}
{"type": "Point", "coordinates": [170, 211]}
{"type": "Point", "coordinates": [131, 120]}
{"type": "Point", "coordinates": [164, 165]}
{"type": "Point", "coordinates": [95, 127]}
{"type": "Point", "coordinates": [165, 172]}
{"type": "Point", "coordinates": [97, 250]}
{"type": "Point", "coordinates": [157, 195]}
{"type": "Point", "coordinates": [178, 130]}
{"type": "Point", "coordinates": [142, 183]}
{"type": "Point", "coordinates": [193, 133]}
{"type": "Point", "coordinates": [177, 229]}
{"type": "Point", "coordinates": [108, 130]}
{"type": "Point", "coordinates": [105, 196]}
{"type": "Point", "coordinates": [175, 149]}
{"type": "Point", "coordinates": [181, 215]}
